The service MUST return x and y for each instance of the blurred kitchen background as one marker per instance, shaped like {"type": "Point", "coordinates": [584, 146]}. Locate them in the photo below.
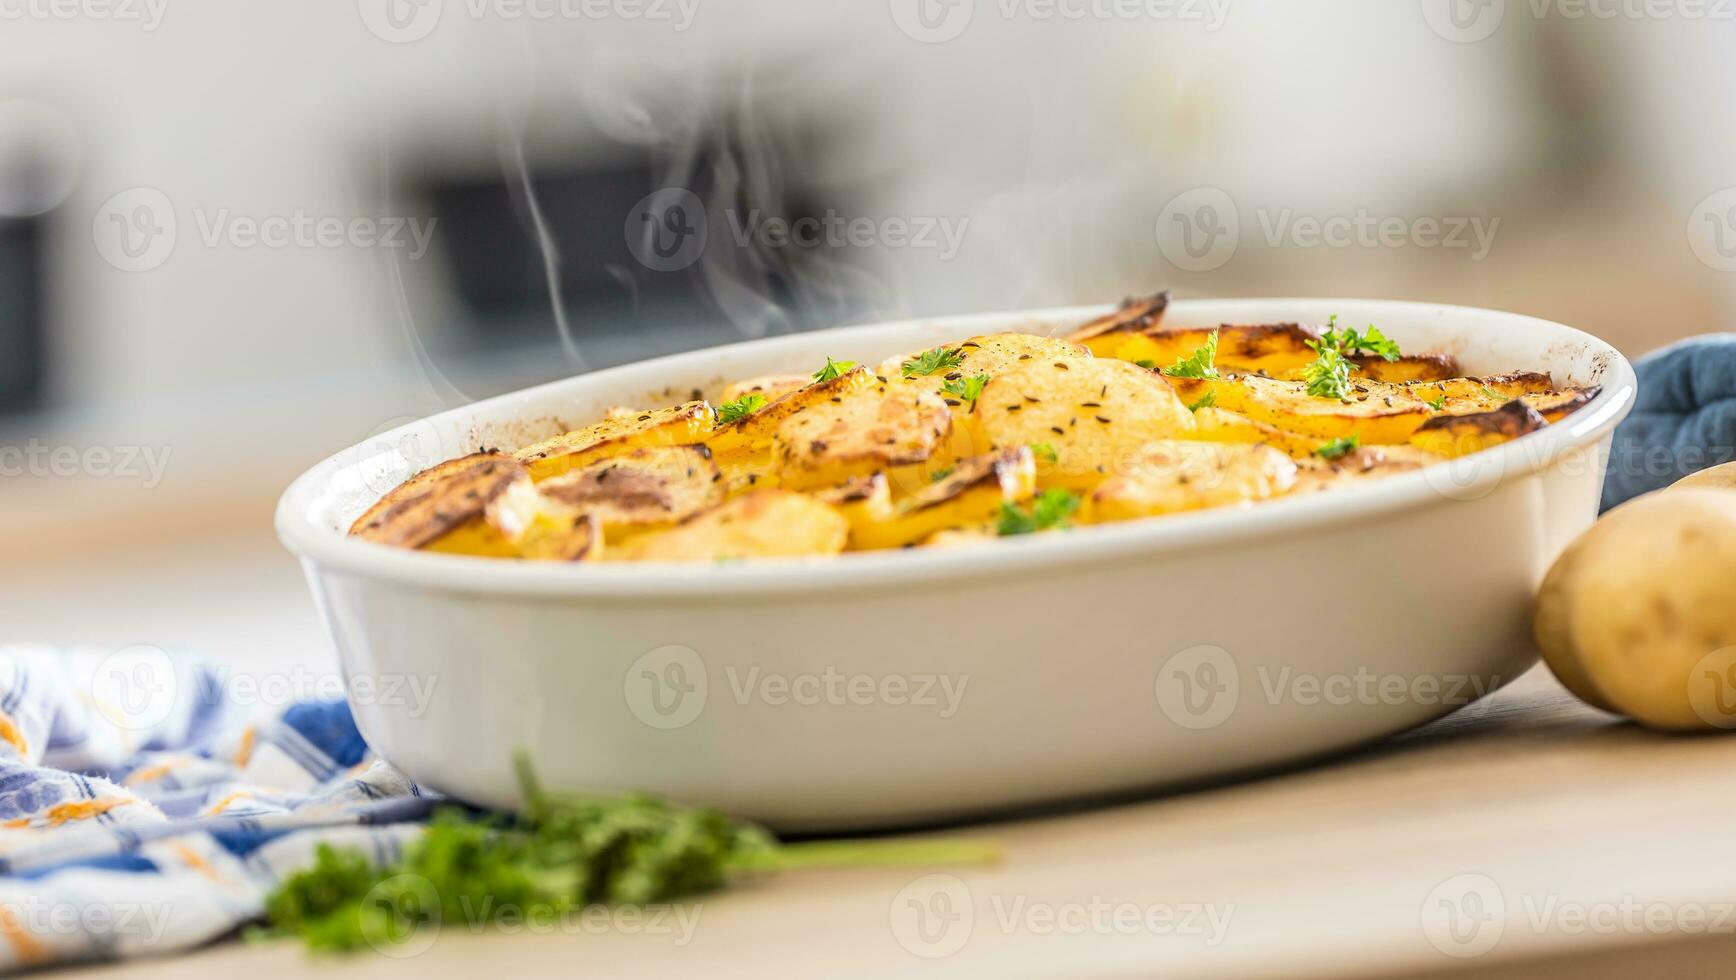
{"type": "Point", "coordinates": [235, 238]}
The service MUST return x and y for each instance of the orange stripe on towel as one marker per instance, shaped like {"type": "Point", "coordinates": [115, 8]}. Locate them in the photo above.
{"type": "Point", "coordinates": [151, 774]}
{"type": "Point", "coordinates": [245, 751]}
{"type": "Point", "coordinates": [197, 863]}
{"type": "Point", "coordinates": [224, 803]}
{"type": "Point", "coordinates": [28, 947]}
{"type": "Point", "coordinates": [82, 809]}
{"type": "Point", "coordinates": [11, 735]}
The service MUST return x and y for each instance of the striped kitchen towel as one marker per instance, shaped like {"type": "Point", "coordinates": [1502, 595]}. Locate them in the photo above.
{"type": "Point", "coordinates": [142, 811]}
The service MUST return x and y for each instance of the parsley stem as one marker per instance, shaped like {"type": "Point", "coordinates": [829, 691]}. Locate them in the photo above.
{"type": "Point", "coordinates": [867, 854]}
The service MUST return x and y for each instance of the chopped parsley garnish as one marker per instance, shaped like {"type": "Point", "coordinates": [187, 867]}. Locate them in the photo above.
{"type": "Point", "coordinates": [1146, 363]}
{"type": "Point", "coordinates": [1045, 451]}
{"type": "Point", "coordinates": [940, 474]}
{"type": "Point", "coordinates": [1491, 393]}
{"type": "Point", "coordinates": [1338, 448]}
{"type": "Point", "coordinates": [1328, 375]}
{"type": "Point", "coordinates": [561, 854]}
{"type": "Point", "coordinates": [1209, 401]}
{"type": "Point", "coordinates": [932, 361]}
{"type": "Point", "coordinates": [1437, 404]}
{"type": "Point", "coordinates": [966, 389]}
{"type": "Point", "coordinates": [741, 408]}
{"type": "Point", "coordinates": [1349, 340]}
{"type": "Point", "coordinates": [833, 369]}
{"type": "Point", "coordinates": [1199, 364]}
{"type": "Point", "coordinates": [1051, 509]}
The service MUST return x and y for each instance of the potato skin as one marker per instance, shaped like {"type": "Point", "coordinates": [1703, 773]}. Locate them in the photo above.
{"type": "Point", "coordinates": [1650, 600]}
{"type": "Point", "coordinates": [1460, 435]}
{"type": "Point", "coordinates": [1551, 623]}
{"type": "Point", "coordinates": [971, 495]}
{"type": "Point", "coordinates": [1722, 477]}
{"type": "Point", "coordinates": [681, 425]}
{"type": "Point", "coordinates": [643, 488]}
{"type": "Point", "coordinates": [881, 427]}
{"type": "Point", "coordinates": [439, 500]}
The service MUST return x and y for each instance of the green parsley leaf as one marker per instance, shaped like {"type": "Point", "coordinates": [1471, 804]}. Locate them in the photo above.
{"type": "Point", "coordinates": [1328, 375]}
{"type": "Point", "coordinates": [940, 474]}
{"type": "Point", "coordinates": [833, 369]}
{"type": "Point", "coordinates": [1147, 364]}
{"type": "Point", "coordinates": [1045, 451]}
{"type": "Point", "coordinates": [1210, 400]}
{"type": "Point", "coordinates": [1437, 404]}
{"type": "Point", "coordinates": [932, 362]}
{"type": "Point", "coordinates": [1491, 393]}
{"type": "Point", "coordinates": [1199, 364]}
{"type": "Point", "coordinates": [966, 389]}
{"type": "Point", "coordinates": [741, 408]}
{"type": "Point", "coordinates": [559, 856]}
{"type": "Point", "coordinates": [1338, 447]}
{"type": "Point", "coordinates": [1349, 340]}
{"type": "Point", "coordinates": [1050, 510]}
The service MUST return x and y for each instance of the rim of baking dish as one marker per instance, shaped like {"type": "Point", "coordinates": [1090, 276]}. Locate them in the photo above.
{"type": "Point", "coordinates": [1468, 477]}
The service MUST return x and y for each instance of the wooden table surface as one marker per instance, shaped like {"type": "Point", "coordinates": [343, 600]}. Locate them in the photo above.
{"type": "Point", "coordinates": [1526, 836]}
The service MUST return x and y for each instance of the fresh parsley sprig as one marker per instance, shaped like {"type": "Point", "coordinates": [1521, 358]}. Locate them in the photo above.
{"type": "Point", "coordinates": [741, 408]}
{"type": "Point", "coordinates": [833, 369]}
{"type": "Point", "coordinates": [932, 362]}
{"type": "Point", "coordinates": [1051, 509]}
{"type": "Point", "coordinates": [1202, 363]}
{"type": "Point", "coordinates": [1209, 401]}
{"type": "Point", "coordinates": [966, 389]}
{"type": "Point", "coordinates": [1349, 340]}
{"type": "Point", "coordinates": [560, 855]}
{"type": "Point", "coordinates": [1328, 375]}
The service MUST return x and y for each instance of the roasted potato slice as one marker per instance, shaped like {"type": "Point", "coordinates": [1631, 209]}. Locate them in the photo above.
{"type": "Point", "coordinates": [1460, 435]}
{"type": "Point", "coordinates": [1113, 333]}
{"type": "Point", "coordinates": [441, 500]}
{"type": "Point", "coordinates": [1557, 405]}
{"type": "Point", "coordinates": [1221, 425]}
{"type": "Point", "coordinates": [1472, 395]}
{"type": "Point", "coordinates": [990, 354]}
{"type": "Point", "coordinates": [971, 494]}
{"type": "Point", "coordinates": [864, 501]}
{"type": "Point", "coordinates": [1408, 368]}
{"type": "Point", "coordinates": [960, 537]}
{"type": "Point", "coordinates": [641, 489]}
{"type": "Point", "coordinates": [681, 425]}
{"type": "Point", "coordinates": [754, 433]}
{"type": "Point", "coordinates": [760, 524]}
{"type": "Point", "coordinates": [1171, 476]}
{"type": "Point", "coordinates": [884, 427]}
{"type": "Point", "coordinates": [483, 505]}
{"type": "Point", "coordinates": [1377, 413]}
{"type": "Point", "coordinates": [771, 387]}
{"type": "Point", "coordinates": [1315, 473]}
{"type": "Point", "coordinates": [1094, 413]}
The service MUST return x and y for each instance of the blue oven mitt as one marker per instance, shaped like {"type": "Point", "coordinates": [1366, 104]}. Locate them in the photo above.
{"type": "Point", "coordinates": [1683, 421]}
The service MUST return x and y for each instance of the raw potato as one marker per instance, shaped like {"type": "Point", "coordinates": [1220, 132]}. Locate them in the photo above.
{"type": "Point", "coordinates": [1718, 477]}
{"type": "Point", "coordinates": [1649, 606]}
{"type": "Point", "coordinates": [677, 426]}
{"type": "Point", "coordinates": [1095, 413]}
{"type": "Point", "coordinates": [1174, 476]}
{"type": "Point", "coordinates": [760, 524]}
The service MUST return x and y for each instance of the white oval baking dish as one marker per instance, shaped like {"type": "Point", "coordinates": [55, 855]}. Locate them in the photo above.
{"type": "Point", "coordinates": [891, 688]}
